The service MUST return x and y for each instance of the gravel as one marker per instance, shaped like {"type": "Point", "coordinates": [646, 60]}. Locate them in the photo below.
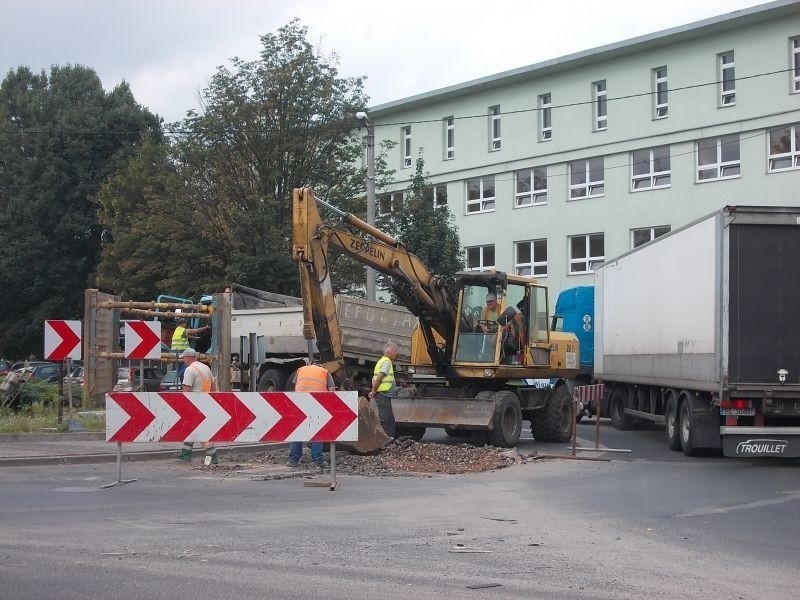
{"type": "Point", "coordinates": [402, 457]}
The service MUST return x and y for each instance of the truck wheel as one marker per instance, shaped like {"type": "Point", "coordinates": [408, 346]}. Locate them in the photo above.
{"type": "Point", "coordinates": [616, 406]}
{"type": "Point", "coordinates": [272, 380]}
{"type": "Point", "coordinates": [686, 430]}
{"type": "Point", "coordinates": [507, 420]}
{"type": "Point", "coordinates": [553, 423]}
{"type": "Point", "coordinates": [672, 426]}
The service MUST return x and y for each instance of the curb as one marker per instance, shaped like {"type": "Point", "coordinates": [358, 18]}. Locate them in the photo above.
{"type": "Point", "coordinates": [139, 455]}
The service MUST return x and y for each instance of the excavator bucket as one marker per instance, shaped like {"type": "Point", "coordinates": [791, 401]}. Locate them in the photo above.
{"type": "Point", "coordinates": [371, 436]}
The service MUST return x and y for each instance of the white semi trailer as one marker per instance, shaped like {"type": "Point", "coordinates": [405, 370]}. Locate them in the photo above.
{"type": "Point", "coordinates": [700, 330]}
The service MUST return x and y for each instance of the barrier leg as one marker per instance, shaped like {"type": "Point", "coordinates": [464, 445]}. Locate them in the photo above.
{"type": "Point", "coordinates": [119, 480]}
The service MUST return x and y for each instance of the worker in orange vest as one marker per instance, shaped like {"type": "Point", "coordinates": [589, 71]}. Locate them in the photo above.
{"type": "Point", "coordinates": [310, 378]}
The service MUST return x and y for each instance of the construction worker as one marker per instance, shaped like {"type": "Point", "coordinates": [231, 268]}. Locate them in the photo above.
{"type": "Point", "coordinates": [180, 340]}
{"type": "Point", "coordinates": [310, 378]}
{"type": "Point", "coordinates": [197, 377]}
{"type": "Point", "coordinates": [384, 388]}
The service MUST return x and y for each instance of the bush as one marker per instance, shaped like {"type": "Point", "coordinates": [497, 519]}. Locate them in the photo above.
{"type": "Point", "coordinates": [41, 393]}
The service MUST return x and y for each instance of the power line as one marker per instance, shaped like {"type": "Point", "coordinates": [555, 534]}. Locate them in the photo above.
{"type": "Point", "coordinates": [342, 125]}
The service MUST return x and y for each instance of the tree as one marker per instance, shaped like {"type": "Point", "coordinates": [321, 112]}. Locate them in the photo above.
{"type": "Point", "coordinates": [266, 126]}
{"type": "Point", "coordinates": [426, 229]}
{"type": "Point", "coordinates": [60, 136]}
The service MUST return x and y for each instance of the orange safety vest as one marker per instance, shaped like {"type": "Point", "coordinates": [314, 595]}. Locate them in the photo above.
{"type": "Point", "coordinates": [206, 380]}
{"type": "Point", "coordinates": [311, 378]}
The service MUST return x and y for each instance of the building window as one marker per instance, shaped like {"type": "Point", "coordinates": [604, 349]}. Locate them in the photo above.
{"type": "Point", "coordinates": [784, 148]}
{"type": "Point", "coordinates": [718, 158]}
{"type": "Point", "coordinates": [545, 118]}
{"type": "Point", "coordinates": [480, 258]}
{"type": "Point", "coordinates": [406, 145]}
{"type": "Point", "coordinates": [660, 93]}
{"type": "Point", "coordinates": [531, 258]}
{"type": "Point", "coordinates": [436, 195]}
{"type": "Point", "coordinates": [449, 138]}
{"type": "Point", "coordinates": [480, 195]}
{"type": "Point", "coordinates": [531, 187]}
{"type": "Point", "coordinates": [586, 178]}
{"type": "Point", "coordinates": [650, 168]}
{"type": "Point", "coordinates": [389, 203]}
{"type": "Point", "coordinates": [647, 234]}
{"type": "Point", "coordinates": [727, 79]}
{"type": "Point", "coordinates": [794, 63]}
{"type": "Point", "coordinates": [494, 128]}
{"type": "Point", "coordinates": [600, 105]}
{"type": "Point", "coordinates": [586, 252]}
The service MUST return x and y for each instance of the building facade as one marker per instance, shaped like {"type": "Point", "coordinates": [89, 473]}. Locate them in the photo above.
{"type": "Point", "coordinates": [552, 168]}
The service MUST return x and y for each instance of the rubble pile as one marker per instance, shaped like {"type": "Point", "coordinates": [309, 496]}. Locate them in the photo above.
{"type": "Point", "coordinates": [404, 456]}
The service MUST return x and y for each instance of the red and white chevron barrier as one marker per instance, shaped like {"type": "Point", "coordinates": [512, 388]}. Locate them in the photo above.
{"type": "Point", "coordinates": [231, 416]}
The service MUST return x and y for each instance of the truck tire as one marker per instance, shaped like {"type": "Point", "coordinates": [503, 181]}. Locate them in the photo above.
{"type": "Point", "coordinates": [272, 380]}
{"type": "Point", "coordinates": [685, 427]}
{"type": "Point", "coordinates": [507, 420]}
{"type": "Point", "coordinates": [553, 423]}
{"type": "Point", "coordinates": [671, 424]}
{"type": "Point", "coordinates": [616, 408]}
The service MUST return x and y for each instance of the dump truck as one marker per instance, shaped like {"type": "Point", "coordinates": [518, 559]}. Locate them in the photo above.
{"type": "Point", "coordinates": [277, 321]}
{"type": "Point", "coordinates": [470, 374]}
{"type": "Point", "coordinates": [699, 330]}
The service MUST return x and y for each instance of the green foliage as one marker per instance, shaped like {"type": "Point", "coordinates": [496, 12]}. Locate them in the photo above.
{"type": "Point", "coordinates": [426, 230]}
{"type": "Point", "coordinates": [60, 136]}
{"type": "Point", "coordinates": [215, 205]}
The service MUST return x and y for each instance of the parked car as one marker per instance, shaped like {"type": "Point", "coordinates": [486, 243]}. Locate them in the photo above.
{"type": "Point", "coordinates": [76, 377]}
{"type": "Point", "coordinates": [39, 369]}
{"type": "Point", "coordinates": [170, 382]}
{"type": "Point", "coordinates": [128, 379]}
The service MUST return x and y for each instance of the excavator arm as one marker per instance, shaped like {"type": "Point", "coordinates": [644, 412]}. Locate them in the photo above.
{"type": "Point", "coordinates": [423, 293]}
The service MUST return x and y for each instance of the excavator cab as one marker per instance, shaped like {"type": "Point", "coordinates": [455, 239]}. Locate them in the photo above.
{"type": "Point", "coordinates": [502, 320]}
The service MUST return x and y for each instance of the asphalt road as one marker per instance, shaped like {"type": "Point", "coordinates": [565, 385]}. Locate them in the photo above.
{"type": "Point", "coordinates": [652, 524]}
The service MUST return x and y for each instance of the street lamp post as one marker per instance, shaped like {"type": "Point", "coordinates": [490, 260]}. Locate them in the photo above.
{"type": "Point", "coordinates": [364, 120]}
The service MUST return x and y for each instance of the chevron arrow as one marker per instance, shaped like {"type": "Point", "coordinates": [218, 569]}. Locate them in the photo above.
{"type": "Point", "coordinates": [148, 334]}
{"type": "Point", "coordinates": [67, 343]}
{"type": "Point", "coordinates": [241, 417]}
{"type": "Point", "coordinates": [139, 417]}
{"type": "Point", "coordinates": [290, 416]}
{"type": "Point", "coordinates": [342, 416]}
{"type": "Point", "coordinates": [189, 416]}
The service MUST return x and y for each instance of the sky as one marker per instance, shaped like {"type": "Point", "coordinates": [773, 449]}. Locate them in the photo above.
{"type": "Point", "coordinates": [167, 49]}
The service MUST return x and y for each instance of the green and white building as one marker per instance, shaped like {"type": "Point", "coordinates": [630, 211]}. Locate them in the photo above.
{"type": "Point", "coordinates": [551, 168]}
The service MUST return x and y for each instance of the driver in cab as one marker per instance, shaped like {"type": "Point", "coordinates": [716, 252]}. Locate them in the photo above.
{"type": "Point", "coordinates": [490, 314]}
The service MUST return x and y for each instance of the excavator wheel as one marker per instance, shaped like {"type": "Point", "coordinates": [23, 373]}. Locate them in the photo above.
{"type": "Point", "coordinates": [553, 423]}
{"type": "Point", "coordinates": [507, 420]}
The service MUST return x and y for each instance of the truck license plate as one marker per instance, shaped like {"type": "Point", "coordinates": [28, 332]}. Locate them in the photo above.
{"type": "Point", "coordinates": [737, 412]}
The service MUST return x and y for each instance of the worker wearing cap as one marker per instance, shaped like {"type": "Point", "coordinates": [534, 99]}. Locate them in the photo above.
{"type": "Point", "coordinates": [197, 377]}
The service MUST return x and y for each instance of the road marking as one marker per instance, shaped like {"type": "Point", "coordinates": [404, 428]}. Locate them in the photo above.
{"type": "Point", "coordinates": [789, 496]}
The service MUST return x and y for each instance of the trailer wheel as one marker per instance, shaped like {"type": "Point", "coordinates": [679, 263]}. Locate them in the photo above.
{"type": "Point", "coordinates": [672, 425]}
{"type": "Point", "coordinates": [507, 420]}
{"type": "Point", "coordinates": [687, 443]}
{"type": "Point", "coordinates": [272, 380]}
{"type": "Point", "coordinates": [616, 407]}
{"type": "Point", "coordinates": [553, 423]}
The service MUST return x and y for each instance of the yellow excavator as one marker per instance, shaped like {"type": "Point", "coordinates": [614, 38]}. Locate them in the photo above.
{"type": "Point", "coordinates": [476, 371]}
